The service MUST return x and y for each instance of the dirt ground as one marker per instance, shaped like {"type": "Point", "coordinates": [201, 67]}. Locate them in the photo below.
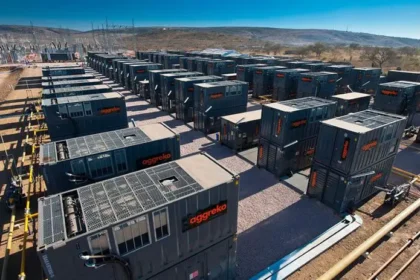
{"type": "Point", "coordinates": [374, 216]}
{"type": "Point", "coordinates": [13, 131]}
{"type": "Point", "coordinates": [373, 213]}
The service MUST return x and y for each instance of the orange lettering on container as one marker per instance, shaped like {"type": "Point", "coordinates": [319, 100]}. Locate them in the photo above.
{"type": "Point", "coordinates": [313, 179]}
{"type": "Point", "coordinates": [310, 152]}
{"type": "Point", "coordinates": [299, 123]}
{"type": "Point", "coordinates": [280, 75]}
{"type": "Point", "coordinates": [203, 217]}
{"type": "Point", "coordinates": [258, 72]}
{"type": "Point", "coordinates": [216, 95]}
{"type": "Point", "coordinates": [370, 145]}
{"type": "Point", "coordinates": [261, 152]}
{"type": "Point", "coordinates": [307, 80]}
{"type": "Point", "coordinates": [375, 178]}
{"type": "Point", "coordinates": [279, 123]}
{"type": "Point", "coordinates": [140, 71]}
{"type": "Point", "coordinates": [345, 151]}
{"type": "Point", "coordinates": [156, 159]}
{"type": "Point", "coordinates": [191, 89]}
{"type": "Point", "coordinates": [389, 92]}
{"type": "Point", "coordinates": [106, 111]}
{"type": "Point", "coordinates": [331, 81]}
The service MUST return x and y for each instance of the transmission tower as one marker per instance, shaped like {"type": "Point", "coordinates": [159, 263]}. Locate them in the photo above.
{"type": "Point", "coordinates": [35, 43]}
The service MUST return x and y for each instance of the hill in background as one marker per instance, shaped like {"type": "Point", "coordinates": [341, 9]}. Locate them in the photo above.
{"type": "Point", "coordinates": [186, 37]}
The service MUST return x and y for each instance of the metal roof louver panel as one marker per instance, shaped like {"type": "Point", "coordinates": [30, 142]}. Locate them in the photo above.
{"type": "Point", "coordinates": [116, 199]}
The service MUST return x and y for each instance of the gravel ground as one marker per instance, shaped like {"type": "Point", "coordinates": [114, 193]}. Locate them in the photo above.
{"type": "Point", "coordinates": [273, 218]}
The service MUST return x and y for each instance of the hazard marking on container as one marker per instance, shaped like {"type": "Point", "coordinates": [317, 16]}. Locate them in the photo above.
{"type": "Point", "coordinates": [194, 275]}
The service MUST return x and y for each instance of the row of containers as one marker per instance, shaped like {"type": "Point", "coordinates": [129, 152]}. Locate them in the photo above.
{"type": "Point", "coordinates": [217, 105]}
{"type": "Point", "coordinates": [116, 190]}
{"type": "Point", "coordinates": [121, 202]}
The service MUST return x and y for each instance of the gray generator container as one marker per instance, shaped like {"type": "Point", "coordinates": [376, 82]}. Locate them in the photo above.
{"type": "Point", "coordinates": [344, 193]}
{"type": "Point", "coordinates": [67, 78]}
{"type": "Point", "coordinates": [351, 143]}
{"type": "Point", "coordinates": [201, 64]}
{"type": "Point", "coordinates": [183, 62]}
{"type": "Point", "coordinates": [245, 73]}
{"type": "Point", "coordinates": [319, 84]}
{"type": "Point", "coordinates": [344, 75]}
{"type": "Point", "coordinates": [230, 77]}
{"type": "Point", "coordinates": [76, 162]}
{"type": "Point", "coordinates": [265, 60]}
{"type": "Point", "coordinates": [219, 95]}
{"type": "Point", "coordinates": [170, 60]}
{"type": "Point", "coordinates": [62, 71]}
{"type": "Point", "coordinates": [283, 62]}
{"type": "Point", "coordinates": [161, 57]}
{"type": "Point", "coordinates": [296, 64]}
{"type": "Point", "coordinates": [184, 95]}
{"type": "Point", "coordinates": [316, 67]}
{"type": "Point", "coordinates": [263, 80]}
{"type": "Point", "coordinates": [220, 67]}
{"type": "Point", "coordinates": [209, 121]}
{"type": "Point", "coordinates": [351, 103]}
{"type": "Point", "coordinates": [192, 63]}
{"type": "Point", "coordinates": [115, 73]}
{"type": "Point", "coordinates": [399, 75]}
{"type": "Point", "coordinates": [246, 61]}
{"type": "Point", "coordinates": [150, 56]}
{"type": "Point", "coordinates": [284, 161]}
{"type": "Point", "coordinates": [365, 80]}
{"type": "Point", "coordinates": [167, 93]}
{"type": "Point", "coordinates": [383, 79]}
{"type": "Point", "coordinates": [126, 73]}
{"type": "Point", "coordinates": [417, 92]}
{"type": "Point", "coordinates": [71, 83]}
{"type": "Point", "coordinates": [285, 83]}
{"type": "Point", "coordinates": [155, 85]}
{"type": "Point", "coordinates": [73, 116]}
{"type": "Point", "coordinates": [241, 131]}
{"type": "Point", "coordinates": [285, 122]}
{"type": "Point", "coordinates": [177, 220]}
{"type": "Point", "coordinates": [120, 69]}
{"type": "Point", "coordinates": [108, 64]}
{"type": "Point", "coordinates": [140, 72]}
{"type": "Point", "coordinates": [73, 91]}
{"type": "Point", "coordinates": [144, 90]}
{"type": "Point", "coordinates": [397, 98]}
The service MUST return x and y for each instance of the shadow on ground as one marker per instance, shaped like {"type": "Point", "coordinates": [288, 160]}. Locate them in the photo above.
{"type": "Point", "coordinates": [280, 234]}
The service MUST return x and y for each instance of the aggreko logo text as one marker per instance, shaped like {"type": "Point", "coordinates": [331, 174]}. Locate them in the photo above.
{"type": "Point", "coordinates": [205, 215]}
{"type": "Point", "coordinates": [156, 159]}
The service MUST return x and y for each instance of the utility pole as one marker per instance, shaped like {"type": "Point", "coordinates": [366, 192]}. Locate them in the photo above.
{"type": "Point", "coordinates": [107, 34]}
{"type": "Point", "coordinates": [34, 37]}
{"type": "Point", "coordinates": [134, 36]}
{"type": "Point", "coordinates": [93, 34]}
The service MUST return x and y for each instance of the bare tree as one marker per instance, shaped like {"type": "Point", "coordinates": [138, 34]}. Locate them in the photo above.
{"type": "Point", "coordinates": [303, 51]}
{"type": "Point", "coordinates": [354, 46]}
{"type": "Point", "coordinates": [408, 51]}
{"type": "Point", "coordinates": [378, 56]}
{"type": "Point", "coordinates": [318, 48]}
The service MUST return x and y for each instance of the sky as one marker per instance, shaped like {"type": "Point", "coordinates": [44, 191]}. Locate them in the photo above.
{"type": "Point", "coordinates": [399, 18]}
